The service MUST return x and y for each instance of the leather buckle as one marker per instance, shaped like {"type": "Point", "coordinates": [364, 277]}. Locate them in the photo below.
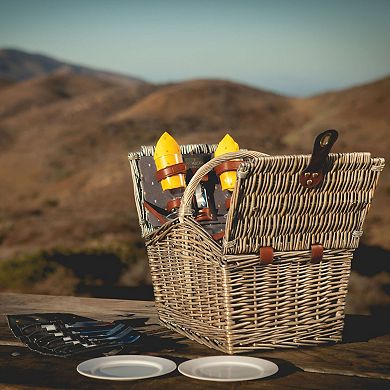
{"type": "Point", "coordinates": [314, 174]}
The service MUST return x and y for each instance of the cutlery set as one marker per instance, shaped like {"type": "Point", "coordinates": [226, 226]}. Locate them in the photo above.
{"type": "Point", "coordinates": [64, 334]}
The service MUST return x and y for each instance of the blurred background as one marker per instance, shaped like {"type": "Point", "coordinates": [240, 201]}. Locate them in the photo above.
{"type": "Point", "coordinates": [82, 83]}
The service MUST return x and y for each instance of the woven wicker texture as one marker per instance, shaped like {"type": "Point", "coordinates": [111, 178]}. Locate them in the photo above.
{"type": "Point", "coordinates": [271, 208]}
{"type": "Point", "coordinates": [222, 296]}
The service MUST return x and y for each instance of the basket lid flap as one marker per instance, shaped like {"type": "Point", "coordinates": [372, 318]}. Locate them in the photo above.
{"type": "Point", "coordinates": [271, 208]}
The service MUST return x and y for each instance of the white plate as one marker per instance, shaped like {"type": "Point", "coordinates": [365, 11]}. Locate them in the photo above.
{"type": "Point", "coordinates": [126, 367]}
{"type": "Point", "coordinates": [228, 368]}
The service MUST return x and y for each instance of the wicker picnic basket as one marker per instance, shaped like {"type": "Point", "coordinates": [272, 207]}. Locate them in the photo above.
{"type": "Point", "coordinates": [228, 295]}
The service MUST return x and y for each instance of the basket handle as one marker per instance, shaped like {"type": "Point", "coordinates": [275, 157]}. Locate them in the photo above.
{"type": "Point", "coordinates": [185, 205]}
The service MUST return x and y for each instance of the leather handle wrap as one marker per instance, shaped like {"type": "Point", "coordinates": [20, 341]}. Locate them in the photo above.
{"type": "Point", "coordinates": [314, 174]}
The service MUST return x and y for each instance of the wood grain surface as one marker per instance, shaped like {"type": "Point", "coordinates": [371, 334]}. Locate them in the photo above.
{"type": "Point", "coordinates": [362, 360]}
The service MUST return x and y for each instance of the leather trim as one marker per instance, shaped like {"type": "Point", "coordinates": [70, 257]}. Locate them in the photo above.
{"type": "Point", "coordinates": [227, 166]}
{"type": "Point", "coordinates": [317, 252]}
{"type": "Point", "coordinates": [172, 170]}
{"type": "Point", "coordinates": [173, 204]}
{"type": "Point", "coordinates": [311, 179]}
{"type": "Point", "coordinates": [266, 255]}
{"type": "Point", "coordinates": [314, 174]}
{"type": "Point", "coordinates": [218, 236]}
{"type": "Point", "coordinates": [204, 215]}
{"type": "Point", "coordinates": [154, 212]}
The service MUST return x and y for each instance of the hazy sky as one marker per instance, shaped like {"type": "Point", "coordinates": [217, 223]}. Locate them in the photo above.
{"type": "Point", "coordinates": [296, 47]}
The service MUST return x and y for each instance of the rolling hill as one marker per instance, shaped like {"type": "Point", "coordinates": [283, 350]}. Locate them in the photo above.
{"type": "Point", "coordinates": [65, 134]}
{"type": "Point", "coordinates": [18, 65]}
{"type": "Point", "coordinates": [74, 131]}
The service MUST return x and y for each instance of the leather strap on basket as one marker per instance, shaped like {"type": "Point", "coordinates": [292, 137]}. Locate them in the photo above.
{"type": "Point", "coordinates": [227, 166]}
{"type": "Point", "coordinates": [204, 215]}
{"type": "Point", "coordinates": [218, 236]}
{"type": "Point", "coordinates": [155, 213]}
{"type": "Point", "coordinates": [173, 204]}
{"type": "Point", "coordinates": [266, 255]}
{"type": "Point", "coordinates": [317, 252]}
{"type": "Point", "coordinates": [314, 174]}
{"type": "Point", "coordinates": [172, 170]}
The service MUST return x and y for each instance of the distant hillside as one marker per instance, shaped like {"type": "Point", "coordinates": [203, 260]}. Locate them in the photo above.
{"type": "Point", "coordinates": [362, 115]}
{"type": "Point", "coordinates": [203, 110]}
{"type": "Point", "coordinates": [65, 134]}
{"type": "Point", "coordinates": [17, 65]}
{"type": "Point", "coordinates": [54, 143]}
{"type": "Point", "coordinates": [64, 140]}
{"type": "Point", "coordinates": [5, 83]}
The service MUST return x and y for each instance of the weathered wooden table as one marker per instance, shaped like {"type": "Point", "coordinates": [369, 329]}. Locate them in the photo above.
{"type": "Point", "coordinates": [361, 361]}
